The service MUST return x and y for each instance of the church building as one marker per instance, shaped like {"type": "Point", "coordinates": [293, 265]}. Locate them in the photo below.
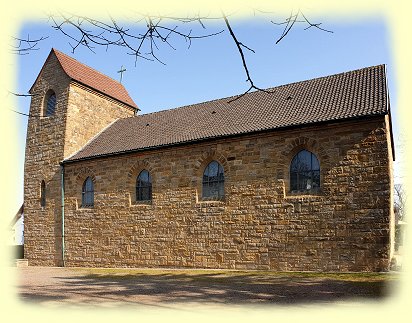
{"type": "Point", "coordinates": [295, 178]}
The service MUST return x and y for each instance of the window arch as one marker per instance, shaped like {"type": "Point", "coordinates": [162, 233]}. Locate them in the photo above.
{"type": "Point", "coordinates": [213, 183]}
{"type": "Point", "coordinates": [50, 103]}
{"type": "Point", "coordinates": [304, 172]}
{"type": "Point", "coordinates": [88, 193]}
{"type": "Point", "coordinates": [144, 186]}
{"type": "Point", "coordinates": [43, 194]}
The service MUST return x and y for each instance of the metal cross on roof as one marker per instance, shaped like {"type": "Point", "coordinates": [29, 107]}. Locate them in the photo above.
{"type": "Point", "coordinates": [122, 69]}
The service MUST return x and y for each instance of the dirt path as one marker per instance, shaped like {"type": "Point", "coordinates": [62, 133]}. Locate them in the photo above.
{"type": "Point", "coordinates": [169, 288]}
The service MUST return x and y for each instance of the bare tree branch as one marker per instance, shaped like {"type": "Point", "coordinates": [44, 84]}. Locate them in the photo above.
{"type": "Point", "coordinates": [314, 25]}
{"type": "Point", "coordinates": [147, 42]}
{"type": "Point", "coordinates": [22, 95]}
{"type": "Point", "coordinates": [239, 46]}
{"type": "Point", "coordinates": [76, 28]}
{"type": "Point", "coordinates": [292, 19]}
{"type": "Point", "coordinates": [400, 201]}
{"type": "Point", "coordinates": [25, 114]}
{"type": "Point", "coordinates": [24, 46]}
{"type": "Point", "coordinates": [289, 24]}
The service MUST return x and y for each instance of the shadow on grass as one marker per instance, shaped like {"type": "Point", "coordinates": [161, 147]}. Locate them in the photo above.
{"type": "Point", "coordinates": [157, 289]}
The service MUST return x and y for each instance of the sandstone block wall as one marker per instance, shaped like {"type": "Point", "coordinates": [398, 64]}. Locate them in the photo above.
{"type": "Point", "coordinates": [44, 151]}
{"type": "Point", "coordinates": [259, 224]}
{"type": "Point", "coordinates": [88, 113]}
{"type": "Point", "coordinates": [49, 141]}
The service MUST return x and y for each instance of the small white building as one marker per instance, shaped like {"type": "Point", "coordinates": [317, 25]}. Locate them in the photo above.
{"type": "Point", "coordinates": [16, 236]}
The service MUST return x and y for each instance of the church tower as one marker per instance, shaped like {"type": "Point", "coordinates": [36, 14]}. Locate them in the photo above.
{"type": "Point", "coordinates": [70, 104]}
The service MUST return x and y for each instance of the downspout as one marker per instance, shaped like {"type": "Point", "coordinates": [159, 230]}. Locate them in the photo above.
{"type": "Point", "coordinates": [391, 180]}
{"type": "Point", "coordinates": [62, 191]}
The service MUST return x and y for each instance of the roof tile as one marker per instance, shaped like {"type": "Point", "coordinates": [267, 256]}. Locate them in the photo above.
{"type": "Point", "coordinates": [94, 79]}
{"type": "Point", "coordinates": [352, 94]}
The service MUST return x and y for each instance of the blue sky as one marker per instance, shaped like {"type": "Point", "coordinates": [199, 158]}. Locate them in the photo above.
{"type": "Point", "coordinates": [211, 68]}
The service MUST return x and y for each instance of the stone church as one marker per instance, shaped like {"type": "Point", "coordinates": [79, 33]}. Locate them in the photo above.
{"type": "Point", "coordinates": [296, 178]}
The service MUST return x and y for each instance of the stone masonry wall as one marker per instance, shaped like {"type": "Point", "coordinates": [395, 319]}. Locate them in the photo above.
{"type": "Point", "coordinates": [259, 225]}
{"type": "Point", "coordinates": [88, 113]}
{"type": "Point", "coordinates": [44, 151]}
{"type": "Point", "coordinates": [48, 141]}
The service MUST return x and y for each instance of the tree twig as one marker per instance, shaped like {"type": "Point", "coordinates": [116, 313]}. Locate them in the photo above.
{"type": "Point", "coordinates": [25, 114]}
{"type": "Point", "coordinates": [240, 47]}
{"type": "Point", "coordinates": [292, 19]}
{"type": "Point", "coordinates": [24, 46]}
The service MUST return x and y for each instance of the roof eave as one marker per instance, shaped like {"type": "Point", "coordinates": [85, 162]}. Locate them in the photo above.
{"type": "Point", "coordinates": [388, 108]}
{"type": "Point", "coordinates": [124, 152]}
{"type": "Point", "coordinates": [41, 70]}
{"type": "Point", "coordinates": [134, 107]}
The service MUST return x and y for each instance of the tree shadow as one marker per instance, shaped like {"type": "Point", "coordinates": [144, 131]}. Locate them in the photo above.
{"type": "Point", "coordinates": [211, 288]}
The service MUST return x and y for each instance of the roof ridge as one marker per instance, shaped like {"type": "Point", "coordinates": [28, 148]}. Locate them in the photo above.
{"type": "Point", "coordinates": [92, 78]}
{"type": "Point", "coordinates": [267, 89]}
{"type": "Point", "coordinates": [95, 70]}
{"type": "Point", "coordinates": [328, 76]}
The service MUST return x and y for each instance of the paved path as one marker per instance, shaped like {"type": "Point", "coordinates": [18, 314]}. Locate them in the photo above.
{"type": "Point", "coordinates": [170, 289]}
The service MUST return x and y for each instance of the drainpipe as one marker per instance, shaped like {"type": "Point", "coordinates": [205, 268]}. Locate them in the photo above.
{"type": "Point", "coordinates": [62, 191]}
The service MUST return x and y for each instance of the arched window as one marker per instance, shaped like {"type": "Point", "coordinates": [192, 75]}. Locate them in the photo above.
{"type": "Point", "coordinates": [213, 184]}
{"type": "Point", "coordinates": [43, 194]}
{"type": "Point", "coordinates": [88, 193]}
{"type": "Point", "coordinates": [144, 186]}
{"type": "Point", "coordinates": [50, 103]}
{"type": "Point", "coordinates": [304, 172]}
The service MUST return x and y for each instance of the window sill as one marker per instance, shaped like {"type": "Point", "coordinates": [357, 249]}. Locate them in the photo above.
{"type": "Point", "coordinates": [314, 191]}
{"type": "Point", "coordinates": [313, 194]}
{"type": "Point", "coordinates": [144, 204]}
{"type": "Point", "coordinates": [211, 202]}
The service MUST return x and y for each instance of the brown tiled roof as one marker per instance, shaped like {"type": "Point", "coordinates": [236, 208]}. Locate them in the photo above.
{"type": "Point", "coordinates": [93, 79]}
{"type": "Point", "coordinates": [342, 96]}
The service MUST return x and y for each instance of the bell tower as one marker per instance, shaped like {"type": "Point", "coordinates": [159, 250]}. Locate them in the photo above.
{"type": "Point", "coordinates": [70, 104]}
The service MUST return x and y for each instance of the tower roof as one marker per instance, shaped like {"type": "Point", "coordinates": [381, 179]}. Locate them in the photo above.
{"type": "Point", "coordinates": [93, 79]}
